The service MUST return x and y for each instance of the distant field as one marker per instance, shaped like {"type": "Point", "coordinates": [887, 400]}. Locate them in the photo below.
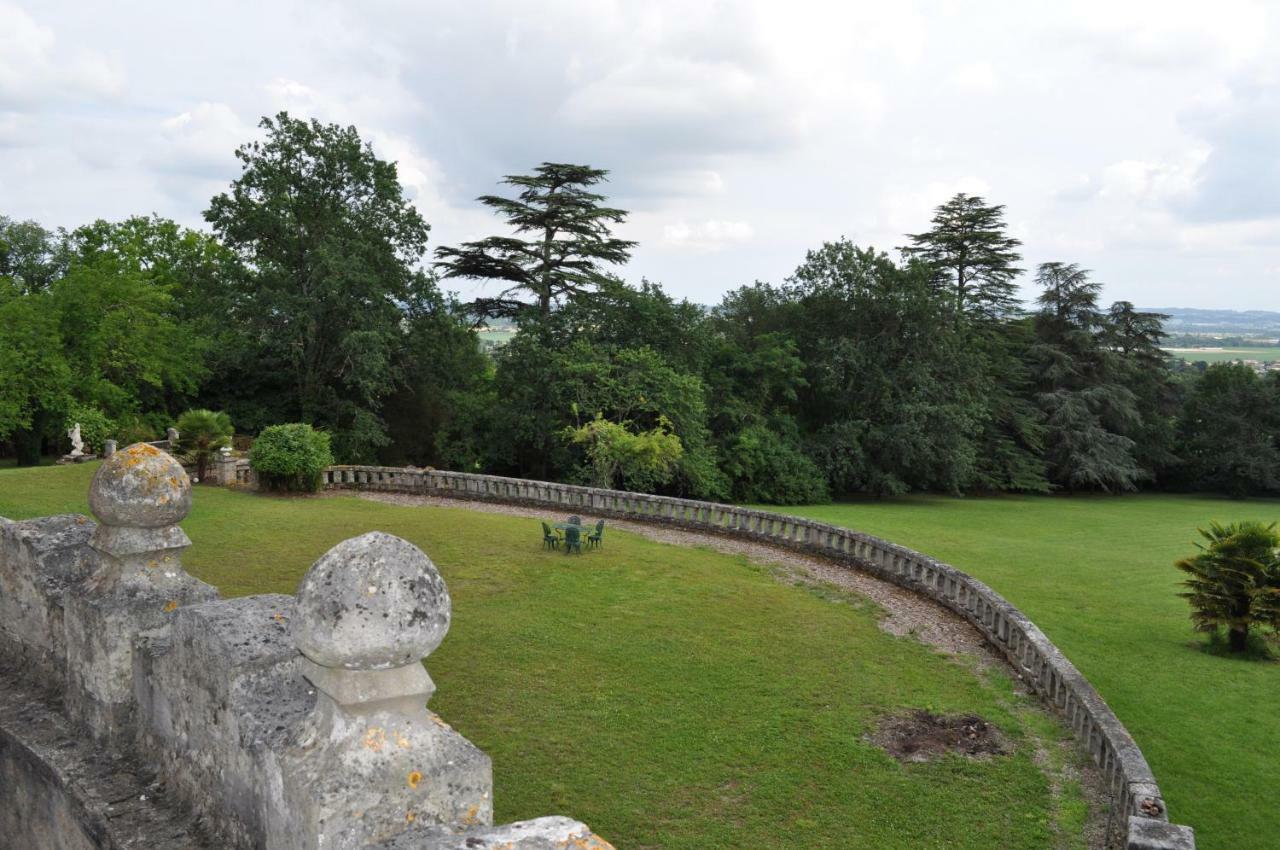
{"type": "Point", "coordinates": [1223, 355]}
{"type": "Point", "coordinates": [496, 336]}
{"type": "Point", "coordinates": [1096, 573]}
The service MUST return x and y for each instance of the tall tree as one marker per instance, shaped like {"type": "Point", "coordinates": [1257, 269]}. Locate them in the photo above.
{"type": "Point", "coordinates": [885, 397]}
{"type": "Point", "coordinates": [1086, 411]}
{"type": "Point", "coordinates": [568, 241]}
{"type": "Point", "coordinates": [1230, 431]}
{"type": "Point", "coordinates": [1134, 338]}
{"type": "Point", "coordinates": [29, 255]}
{"type": "Point", "coordinates": [330, 243]}
{"type": "Point", "coordinates": [972, 258]}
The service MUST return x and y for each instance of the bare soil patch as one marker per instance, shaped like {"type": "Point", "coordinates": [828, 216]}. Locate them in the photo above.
{"type": "Point", "coordinates": [921, 735]}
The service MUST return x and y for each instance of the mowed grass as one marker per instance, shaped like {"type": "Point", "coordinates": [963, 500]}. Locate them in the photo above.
{"type": "Point", "coordinates": [670, 697]}
{"type": "Point", "coordinates": [1097, 575]}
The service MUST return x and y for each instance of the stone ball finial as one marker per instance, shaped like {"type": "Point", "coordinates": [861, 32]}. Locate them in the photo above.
{"type": "Point", "coordinates": [140, 487]}
{"type": "Point", "coordinates": [371, 603]}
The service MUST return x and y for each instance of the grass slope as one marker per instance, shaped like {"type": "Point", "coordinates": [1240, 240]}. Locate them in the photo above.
{"type": "Point", "coordinates": [1096, 574]}
{"type": "Point", "coordinates": [669, 697]}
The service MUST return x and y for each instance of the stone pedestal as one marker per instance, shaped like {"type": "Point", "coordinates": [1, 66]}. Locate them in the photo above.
{"type": "Point", "coordinates": [138, 495]}
{"type": "Point", "coordinates": [366, 613]}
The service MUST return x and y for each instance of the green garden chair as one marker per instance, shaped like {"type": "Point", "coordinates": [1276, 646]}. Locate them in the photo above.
{"type": "Point", "coordinates": [572, 540]}
{"type": "Point", "coordinates": [549, 540]}
{"type": "Point", "coordinates": [596, 538]}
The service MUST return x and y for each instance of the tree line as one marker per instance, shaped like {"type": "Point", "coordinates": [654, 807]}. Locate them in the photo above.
{"type": "Point", "coordinates": [313, 298]}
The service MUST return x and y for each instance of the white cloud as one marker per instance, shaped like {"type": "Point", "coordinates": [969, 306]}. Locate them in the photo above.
{"type": "Point", "coordinates": [200, 141]}
{"type": "Point", "coordinates": [1152, 182]}
{"type": "Point", "coordinates": [34, 70]}
{"type": "Point", "coordinates": [976, 78]}
{"type": "Point", "coordinates": [1137, 138]}
{"type": "Point", "coordinates": [709, 235]}
{"type": "Point", "coordinates": [1159, 34]}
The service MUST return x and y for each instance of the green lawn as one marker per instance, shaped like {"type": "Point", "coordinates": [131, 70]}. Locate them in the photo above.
{"type": "Point", "coordinates": [1223, 355]}
{"type": "Point", "coordinates": [1097, 575]}
{"type": "Point", "coordinates": [669, 697]}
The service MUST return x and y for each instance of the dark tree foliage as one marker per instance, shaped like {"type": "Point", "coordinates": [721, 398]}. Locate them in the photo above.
{"type": "Point", "coordinates": [886, 402]}
{"type": "Point", "coordinates": [560, 242]}
{"type": "Point", "coordinates": [1086, 410]}
{"type": "Point", "coordinates": [1010, 454]}
{"type": "Point", "coordinates": [754, 374]}
{"type": "Point", "coordinates": [439, 415]}
{"type": "Point", "coordinates": [1230, 431]}
{"type": "Point", "coordinates": [561, 371]}
{"type": "Point", "coordinates": [973, 260]}
{"type": "Point", "coordinates": [329, 243]}
{"type": "Point", "coordinates": [1135, 338]}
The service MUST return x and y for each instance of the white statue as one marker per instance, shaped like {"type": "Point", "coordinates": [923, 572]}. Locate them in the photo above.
{"type": "Point", "coordinates": [77, 444]}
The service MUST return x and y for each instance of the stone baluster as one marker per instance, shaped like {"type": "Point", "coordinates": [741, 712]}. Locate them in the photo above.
{"type": "Point", "coordinates": [108, 448]}
{"type": "Point", "coordinates": [367, 612]}
{"type": "Point", "coordinates": [139, 496]}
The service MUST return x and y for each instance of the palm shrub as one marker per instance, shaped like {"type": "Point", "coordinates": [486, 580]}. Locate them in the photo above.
{"type": "Point", "coordinates": [1234, 582]}
{"type": "Point", "coordinates": [200, 434]}
{"type": "Point", "coordinates": [290, 457]}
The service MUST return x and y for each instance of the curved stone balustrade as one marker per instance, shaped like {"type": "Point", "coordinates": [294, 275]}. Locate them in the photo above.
{"type": "Point", "coordinates": [1041, 664]}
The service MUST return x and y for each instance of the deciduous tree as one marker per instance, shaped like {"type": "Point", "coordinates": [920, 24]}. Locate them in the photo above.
{"type": "Point", "coordinates": [329, 243]}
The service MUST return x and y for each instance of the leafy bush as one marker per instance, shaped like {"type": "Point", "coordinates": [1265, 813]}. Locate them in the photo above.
{"type": "Point", "coordinates": [616, 456]}
{"type": "Point", "coordinates": [290, 457]}
{"type": "Point", "coordinates": [134, 429]}
{"type": "Point", "coordinates": [95, 426]}
{"type": "Point", "coordinates": [1235, 581]}
{"type": "Point", "coordinates": [200, 434]}
{"type": "Point", "coordinates": [767, 468]}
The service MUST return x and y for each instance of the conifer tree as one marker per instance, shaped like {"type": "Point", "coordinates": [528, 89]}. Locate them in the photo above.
{"type": "Point", "coordinates": [570, 241]}
{"type": "Point", "coordinates": [972, 258]}
{"type": "Point", "coordinates": [1086, 411]}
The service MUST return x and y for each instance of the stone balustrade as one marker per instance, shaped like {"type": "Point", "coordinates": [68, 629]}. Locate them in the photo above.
{"type": "Point", "coordinates": [140, 710]}
{"type": "Point", "coordinates": [1046, 670]}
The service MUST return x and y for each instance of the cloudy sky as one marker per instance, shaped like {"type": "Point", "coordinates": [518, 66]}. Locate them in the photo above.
{"type": "Point", "coordinates": [1139, 139]}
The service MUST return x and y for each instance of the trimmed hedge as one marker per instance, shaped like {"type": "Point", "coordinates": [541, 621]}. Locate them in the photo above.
{"type": "Point", "coordinates": [291, 457]}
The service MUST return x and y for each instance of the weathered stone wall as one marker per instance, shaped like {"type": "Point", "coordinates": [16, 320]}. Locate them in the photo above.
{"type": "Point", "coordinates": [1035, 658]}
{"type": "Point", "coordinates": [138, 709]}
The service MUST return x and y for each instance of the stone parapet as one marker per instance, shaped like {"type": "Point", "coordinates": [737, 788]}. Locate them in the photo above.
{"type": "Point", "coordinates": [278, 722]}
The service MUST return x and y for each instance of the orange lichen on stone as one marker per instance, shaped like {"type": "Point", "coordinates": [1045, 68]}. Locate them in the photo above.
{"type": "Point", "coordinates": [591, 841]}
{"type": "Point", "coordinates": [375, 739]}
{"type": "Point", "coordinates": [414, 779]}
{"type": "Point", "coordinates": [171, 605]}
{"type": "Point", "coordinates": [472, 814]}
{"type": "Point", "coordinates": [410, 817]}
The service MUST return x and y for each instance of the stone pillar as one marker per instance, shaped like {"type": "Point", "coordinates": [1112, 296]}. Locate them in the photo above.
{"type": "Point", "coordinates": [139, 496]}
{"type": "Point", "coordinates": [225, 467]}
{"type": "Point", "coordinates": [108, 448]}
{"type": "Point", "coordinates": [171, 434]}
{"type": "Point", "coordinates": [367, 612]}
